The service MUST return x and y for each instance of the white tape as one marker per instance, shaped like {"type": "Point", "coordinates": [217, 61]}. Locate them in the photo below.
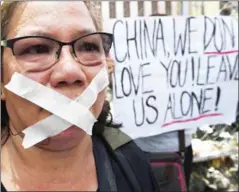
{"type": "Point", "coordinates": [97, 84]}
{"type": "Point", "coordinates": [70, 112]}
{"type": "Point", "coordinates": [50, 100]}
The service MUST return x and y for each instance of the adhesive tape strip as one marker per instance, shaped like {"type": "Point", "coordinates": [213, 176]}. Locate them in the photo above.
{"type": "Point", "coordinates": [50, 100]}
{"type": "Point", "coordinates": [53, 125]}
{"type": "Point", "coordinates": [47, 125]}
{"type": "Point", "coordinates": [89, 96]}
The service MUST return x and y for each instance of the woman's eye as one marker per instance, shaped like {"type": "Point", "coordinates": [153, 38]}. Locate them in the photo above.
{"type": "Point", "coordinates": [90, 47]}
{"type": "Point", "coordinates": [37, 49]}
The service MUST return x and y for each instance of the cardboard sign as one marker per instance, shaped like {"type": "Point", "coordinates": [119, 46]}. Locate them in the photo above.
{"type": "Point", "coordinates": [174, 73]}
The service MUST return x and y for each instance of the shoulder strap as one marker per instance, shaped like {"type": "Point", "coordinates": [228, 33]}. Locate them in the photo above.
{"type": "Point", "coordinates": [115, 137]}
{"type": "Point", "coordinates": [3, 188]}
{"type": "Point", "coordinates": [105, 173]}
{"type": "Point", "coordinates": [132, 161]}
{"type": "Point", "coordinates": [181, 140]}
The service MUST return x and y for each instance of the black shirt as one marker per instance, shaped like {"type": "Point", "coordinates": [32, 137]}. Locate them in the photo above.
{"type": "Point", "coordinates": [106, 180]}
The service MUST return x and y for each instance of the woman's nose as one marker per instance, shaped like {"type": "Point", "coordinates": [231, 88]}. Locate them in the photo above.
{"type": "Point", "coordinates": [67, 70]}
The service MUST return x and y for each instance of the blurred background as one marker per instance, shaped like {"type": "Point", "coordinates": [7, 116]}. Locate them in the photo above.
{"type": "Point", "coordinates": [127, 8]}
{"type": "Point", "coordinates": [215, 148]}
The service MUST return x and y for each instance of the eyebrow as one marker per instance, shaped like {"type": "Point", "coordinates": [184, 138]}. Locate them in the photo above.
{"type": "Point", "coordinates": [43, 33]}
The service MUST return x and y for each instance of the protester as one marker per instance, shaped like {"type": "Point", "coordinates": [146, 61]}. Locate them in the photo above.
{"type": "Point", "coordinates": [71, 160]}
{"type": "Point", "coordinates": [170, 142]}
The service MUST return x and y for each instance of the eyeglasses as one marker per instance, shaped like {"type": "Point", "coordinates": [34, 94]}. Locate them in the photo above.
{"type": "Point", "coordinates": [37, 51]}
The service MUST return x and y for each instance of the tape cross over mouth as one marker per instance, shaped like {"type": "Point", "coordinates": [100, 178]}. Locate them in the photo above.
{"type": "Point", "coordinates": [66, 112]}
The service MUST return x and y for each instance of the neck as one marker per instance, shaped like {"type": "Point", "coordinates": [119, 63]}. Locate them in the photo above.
{"type": "Point", "coordinates": [51, 160]}
{"type": "Point", "coordinates": [50, 167]}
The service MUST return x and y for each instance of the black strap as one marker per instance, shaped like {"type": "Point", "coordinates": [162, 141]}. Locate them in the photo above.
{"type": "Point", "coordinates": [128, 171]}
{"type": "Point", "coordinates": [132, 162]}
{"type": "Point", "coordinates": [181, 139]}
{"type": "Point", "coordinates": [105, 172]}
{"type": "Point", "coordinates": [3, 188]}
{"type": "Point", "coordinates": [121, 164]}
{"type": "Point", "coordinates": [140, 167]}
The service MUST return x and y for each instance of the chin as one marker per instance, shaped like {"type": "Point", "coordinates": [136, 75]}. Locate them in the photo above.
{"type": "Point", "coordinates": [65, 141]}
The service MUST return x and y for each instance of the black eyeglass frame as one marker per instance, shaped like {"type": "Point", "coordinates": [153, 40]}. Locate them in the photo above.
{"type": "Point", "coordinates": [10, 42]}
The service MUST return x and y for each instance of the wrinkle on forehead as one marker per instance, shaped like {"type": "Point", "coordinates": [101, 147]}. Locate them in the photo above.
{"type": "Point", "coordinates": [33, 12]}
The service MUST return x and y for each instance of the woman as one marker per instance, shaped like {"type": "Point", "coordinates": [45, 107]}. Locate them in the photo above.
{"type": "Point", "coordinates": [71, 160]}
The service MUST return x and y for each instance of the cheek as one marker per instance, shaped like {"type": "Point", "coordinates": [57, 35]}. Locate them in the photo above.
{"type": "Point", "coordinates": [21, 112]}
{"type": "Point", "coordinates": [42, 77]}
{"type": "Point", "coordinates": [12, 67]}
{"type": "Point", "coordinates": [8, 72]}
{"type": "Point", "coordinates": [9, 60]}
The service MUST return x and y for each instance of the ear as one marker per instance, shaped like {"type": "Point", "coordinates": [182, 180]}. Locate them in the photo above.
{"type": "Point", "coordinates": [111, 64]}
{"type": "Point", "coordinates": [3, 96]}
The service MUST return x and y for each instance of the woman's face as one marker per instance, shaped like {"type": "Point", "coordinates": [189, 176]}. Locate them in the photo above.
{"type": "Point", "coordinates": [63, 21]}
